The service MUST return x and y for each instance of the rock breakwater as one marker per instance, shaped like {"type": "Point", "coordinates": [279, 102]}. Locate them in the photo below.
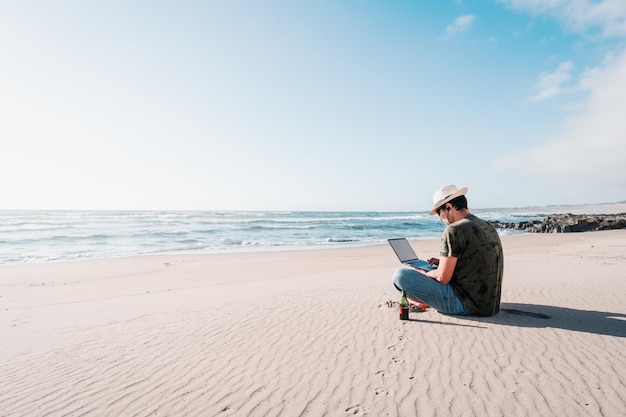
{"type": "Point", "coordinates": [566, 223]}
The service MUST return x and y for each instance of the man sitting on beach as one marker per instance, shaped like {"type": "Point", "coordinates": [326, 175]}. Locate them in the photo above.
{"type": "Point", "coordinates": [468, 279]}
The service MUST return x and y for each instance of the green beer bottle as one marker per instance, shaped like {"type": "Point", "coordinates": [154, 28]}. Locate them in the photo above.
{"type": "Point", "coordinates": [404, 307]}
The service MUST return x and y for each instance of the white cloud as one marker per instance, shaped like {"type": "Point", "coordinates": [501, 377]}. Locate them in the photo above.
{"type": "Point", "coordinates": [552, 83]}
{"type": "Point", "coordinates": [580, 15]}
{"type": "Point", "coordinates": [591, 148]}
{"type": "Point", "coordinates": [461, 24]}
{"type": "Point", "coordinates": [586, 157]}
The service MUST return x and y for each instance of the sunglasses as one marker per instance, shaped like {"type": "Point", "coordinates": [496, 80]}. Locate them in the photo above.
{"type": "Point", "coordinates": [441, 208]}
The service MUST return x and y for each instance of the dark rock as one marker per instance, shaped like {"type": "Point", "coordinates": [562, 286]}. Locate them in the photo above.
{"type": "Point", "coordinates": [567, 223]}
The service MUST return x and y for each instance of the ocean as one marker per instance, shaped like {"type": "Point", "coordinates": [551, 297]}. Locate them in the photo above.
{"type": "Point", "coordinates": [63, 235]}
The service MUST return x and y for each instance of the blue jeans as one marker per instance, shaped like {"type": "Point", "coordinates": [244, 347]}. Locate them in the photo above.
{"type": "Point", "coordinates": [425, 289]}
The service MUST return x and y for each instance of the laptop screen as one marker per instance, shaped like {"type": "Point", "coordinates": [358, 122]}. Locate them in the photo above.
{"type": "Point", "coordinates": [403, 249]}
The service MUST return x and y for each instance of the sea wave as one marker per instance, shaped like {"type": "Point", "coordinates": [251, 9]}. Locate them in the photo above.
{"type": "Point", "coordinates": [45, 236]}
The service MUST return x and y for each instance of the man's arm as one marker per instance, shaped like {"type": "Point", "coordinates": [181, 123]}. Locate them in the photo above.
{"type": "Point", "coordinates": [444, 271]}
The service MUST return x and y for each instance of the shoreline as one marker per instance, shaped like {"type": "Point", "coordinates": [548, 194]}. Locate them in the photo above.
{"type": "Point", "coordinates": [50, 237]}
{"type": "Point", "coordinates": [309, 332]}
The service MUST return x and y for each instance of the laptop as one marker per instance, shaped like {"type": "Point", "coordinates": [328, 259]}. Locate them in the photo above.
{"type": "Point", "coordinates": [407, 256]}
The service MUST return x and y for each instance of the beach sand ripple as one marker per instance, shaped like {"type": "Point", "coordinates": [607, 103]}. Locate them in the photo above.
{"type": "Point", "coordinates": [310, 334]}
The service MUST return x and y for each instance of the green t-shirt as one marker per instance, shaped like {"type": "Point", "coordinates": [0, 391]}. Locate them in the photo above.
{"type": "Point", "coordinates": [477, 277]}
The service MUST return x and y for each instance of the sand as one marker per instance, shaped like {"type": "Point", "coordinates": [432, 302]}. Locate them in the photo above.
{"type": "Point", "coordinates": [309, 333]}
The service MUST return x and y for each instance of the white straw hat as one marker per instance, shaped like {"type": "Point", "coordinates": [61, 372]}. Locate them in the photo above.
{"type": "Point", "coordinates": [445, 194]}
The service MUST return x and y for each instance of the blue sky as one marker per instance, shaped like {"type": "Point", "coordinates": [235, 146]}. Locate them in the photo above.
{"type": "Point", "coordinates": [325, 105]}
